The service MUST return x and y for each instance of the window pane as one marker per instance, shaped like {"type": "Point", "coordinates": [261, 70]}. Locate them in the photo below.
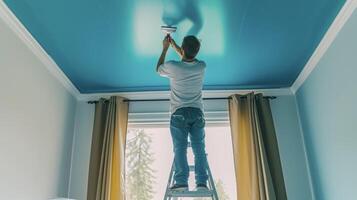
{"type": "Point", "coordinates": [149, 156]}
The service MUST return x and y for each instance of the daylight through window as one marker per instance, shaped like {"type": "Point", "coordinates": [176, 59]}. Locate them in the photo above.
{"type": "Point", "coordinates": [149, 155]}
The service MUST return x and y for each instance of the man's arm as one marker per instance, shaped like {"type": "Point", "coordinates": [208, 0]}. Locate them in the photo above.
{"type": "Point", "coordinates": [165, 47]}
{"type": "Point", "coordinates": [176, 47]}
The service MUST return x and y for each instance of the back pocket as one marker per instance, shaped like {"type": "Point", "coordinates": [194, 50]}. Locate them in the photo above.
{"type": "Point", "coordinates": [200, 122]}
{"type": "Point", "coordinates": [177, 120]}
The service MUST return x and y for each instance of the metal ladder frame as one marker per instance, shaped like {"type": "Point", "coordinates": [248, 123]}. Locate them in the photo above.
{"type": "Point", "coordinates": [173, 195]}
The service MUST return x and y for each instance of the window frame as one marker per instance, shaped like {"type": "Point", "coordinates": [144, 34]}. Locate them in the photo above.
{"type": "Point", "coordinates": [157, 113]}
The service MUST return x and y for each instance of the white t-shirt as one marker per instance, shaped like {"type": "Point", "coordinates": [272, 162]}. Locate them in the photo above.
{"type": "Point", "coordinates": [186, 82]}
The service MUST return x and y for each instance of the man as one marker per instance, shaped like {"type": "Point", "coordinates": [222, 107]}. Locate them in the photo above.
{"type": "Point", "coordinates": [187, 118]}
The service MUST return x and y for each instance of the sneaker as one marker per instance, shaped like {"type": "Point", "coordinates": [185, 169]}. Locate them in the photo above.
{"type": "Point", "coordinates": [201, 187]}
{"type": "Point", "coordinates": [180, 188]}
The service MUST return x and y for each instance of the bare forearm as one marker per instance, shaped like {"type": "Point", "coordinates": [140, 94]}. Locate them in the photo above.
{"type": "Point", "coordinates": [177, 48]}
{"type": "Point", "coordinates": [162, 58]}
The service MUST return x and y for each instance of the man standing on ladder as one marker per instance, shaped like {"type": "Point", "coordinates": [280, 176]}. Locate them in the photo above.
{"type": "Point", "coordinates": [186, 107]}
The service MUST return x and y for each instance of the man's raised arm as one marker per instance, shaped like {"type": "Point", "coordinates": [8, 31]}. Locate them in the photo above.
{"type": "Point", "coordinates": [165, 47]}
{"type": "Point", "coordinates": [176, 47]}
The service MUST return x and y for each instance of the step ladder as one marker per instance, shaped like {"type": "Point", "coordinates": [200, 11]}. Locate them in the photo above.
{"type": "Point", "coordinates": [174, 195]}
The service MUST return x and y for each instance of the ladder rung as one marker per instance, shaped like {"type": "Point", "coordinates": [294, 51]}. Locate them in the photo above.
{"type": "Point", "coordinates": [208, 193]}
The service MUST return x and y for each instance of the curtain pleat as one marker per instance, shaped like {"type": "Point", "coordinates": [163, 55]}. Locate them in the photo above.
{"type": "Point", "coordinates": [258, 169]}
{"type": "Point", "coordinates": [118, 170]}
{"type": "Point", "coordinates": [106, 170]}
{"type": "Point", "coordinates": [271, 146]}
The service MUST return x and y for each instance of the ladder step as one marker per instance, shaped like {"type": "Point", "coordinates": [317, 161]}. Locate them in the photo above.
{"type": "Point", "coordinates": [208, 193]}
{"type": "Point", "coordinates": [192, 168]}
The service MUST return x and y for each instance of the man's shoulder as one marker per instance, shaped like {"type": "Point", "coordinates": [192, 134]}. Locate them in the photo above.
{"type": "Point", "coordinates": [173, 62]}
{"type": "Point", "coordinates": [200, 63]}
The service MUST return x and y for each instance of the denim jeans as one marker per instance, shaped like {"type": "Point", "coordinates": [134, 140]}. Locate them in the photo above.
{"type": "Point", "coordinates": [189, 121]}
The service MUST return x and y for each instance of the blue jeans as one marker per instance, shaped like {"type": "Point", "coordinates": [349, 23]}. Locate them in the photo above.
{"type": "Point", "coordinates": [189, 121]}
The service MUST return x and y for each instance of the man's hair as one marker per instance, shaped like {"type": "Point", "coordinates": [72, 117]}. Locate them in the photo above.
{"type": "Point", "coordinates": [191, 46]}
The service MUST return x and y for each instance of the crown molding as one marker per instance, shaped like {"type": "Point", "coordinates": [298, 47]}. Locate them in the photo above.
{"type": "Point", "coordinates": [166, 94]}
{"type": "Point", "coordinates": [19, 29]}
{"type": "Point", "coordinates": [342, 17]}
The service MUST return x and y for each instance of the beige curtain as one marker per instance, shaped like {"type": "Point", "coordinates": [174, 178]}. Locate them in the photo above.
{"type": "Point", "coordinates": [256, 156]}
{"type": "Point", "coordinates": [106, 168]}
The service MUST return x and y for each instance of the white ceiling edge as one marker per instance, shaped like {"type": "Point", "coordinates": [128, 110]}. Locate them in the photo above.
{"type": "Point", "coordinates": [166, 94]}
{"type": "Point", "coordinates": [19, 29]}
{"type": "Point", "coordinates": [340, 20]}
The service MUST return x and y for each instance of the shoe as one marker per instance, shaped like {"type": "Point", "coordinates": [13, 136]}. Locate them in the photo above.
{"type": "Point", "coordinates": [180, 188]}
{"type": "Point", "coordinates": [201, 187]}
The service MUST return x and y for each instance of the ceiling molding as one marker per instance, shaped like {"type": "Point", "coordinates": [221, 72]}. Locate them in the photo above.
{"type": "Point", "coordinates": [166, 94]}
{"type": "Point", "coordinates": [19, 29]}
{"type": "Point", "coordinates": [342, 17]}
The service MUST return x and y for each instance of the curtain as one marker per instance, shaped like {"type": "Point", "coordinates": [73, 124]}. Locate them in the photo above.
{"type": "Point", "coordinates": [107, 160]}
{"type": "Point", "coordinates": [256, 155]}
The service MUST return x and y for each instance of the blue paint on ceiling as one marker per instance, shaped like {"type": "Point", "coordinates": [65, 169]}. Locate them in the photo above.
{"type": "Point", "coordinates": [113, 45]}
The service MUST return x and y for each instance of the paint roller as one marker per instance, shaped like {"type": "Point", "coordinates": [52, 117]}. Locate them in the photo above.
{"type": "Point", "coordinates": [168, 29]}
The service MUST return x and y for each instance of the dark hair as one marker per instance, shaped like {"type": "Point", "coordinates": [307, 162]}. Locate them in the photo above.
{"type": "Point", "coordinates": [191, 46]}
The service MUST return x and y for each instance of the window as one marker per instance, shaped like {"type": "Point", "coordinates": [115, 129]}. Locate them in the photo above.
{"type": "Point", "coordinates": [149, 156]}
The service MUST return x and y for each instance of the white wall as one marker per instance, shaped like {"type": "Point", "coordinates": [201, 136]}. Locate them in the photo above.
{"type": "Point", "coordinates": [328, 111]}
{"type": "Point", "coordinates": [292, 151]}
{"type": "Point", "coordinates": [36, 125]}
{"type": "Point", "coordinates": [81, 150]}
{"type": "Point", "coordinates": [286, 124]}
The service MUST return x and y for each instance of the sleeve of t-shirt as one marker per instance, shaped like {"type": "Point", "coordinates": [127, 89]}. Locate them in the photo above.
{"type": "Point", "coordinates": [203, 63]}
{"type": "Point", "coordinates": [165, 69]}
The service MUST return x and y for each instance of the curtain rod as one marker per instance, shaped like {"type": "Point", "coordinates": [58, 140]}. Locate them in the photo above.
{"type": "Point", "coordinates": [213, 98]}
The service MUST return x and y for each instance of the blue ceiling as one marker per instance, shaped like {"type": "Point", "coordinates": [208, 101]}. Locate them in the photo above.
{"type": "Point", "coordinates": [113, 45]}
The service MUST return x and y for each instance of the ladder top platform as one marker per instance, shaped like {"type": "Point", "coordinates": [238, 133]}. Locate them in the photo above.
{"type": "Point", "coordinates": [207, 193]}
